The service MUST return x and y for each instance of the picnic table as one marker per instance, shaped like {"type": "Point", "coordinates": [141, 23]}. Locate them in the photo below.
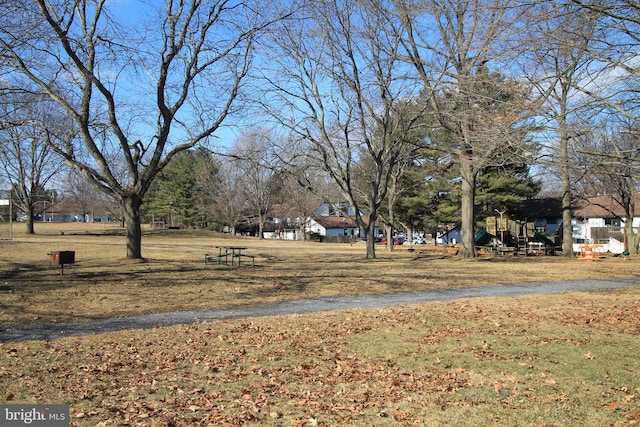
{"type": "Point", "coordinates": [226, 252]}
{"type": "Point", "coordinates": [537, 248]}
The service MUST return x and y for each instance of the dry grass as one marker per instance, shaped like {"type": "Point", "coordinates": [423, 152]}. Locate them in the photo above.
{"type": "Point", "coordinates": [549, 360]}
{"type": "Point", "coordinates": [102, 283]}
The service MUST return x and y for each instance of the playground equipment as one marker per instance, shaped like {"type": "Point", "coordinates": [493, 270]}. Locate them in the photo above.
{"type": "Point", "coordinates": [514, 237]}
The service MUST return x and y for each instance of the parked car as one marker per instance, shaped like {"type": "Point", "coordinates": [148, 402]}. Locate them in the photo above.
{"type": "Point", "coordinates": [396, 241]}
{"type": "Point", "coordinates": [417, 240]}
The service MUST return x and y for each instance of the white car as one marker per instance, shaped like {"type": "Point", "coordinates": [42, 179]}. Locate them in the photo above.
{"type": "Point", "coordinates": [417, 240]}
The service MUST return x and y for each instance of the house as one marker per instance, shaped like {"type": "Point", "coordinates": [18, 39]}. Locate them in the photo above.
{"type": "Point", "coordinates": [285, 223]}
{"type": "Point", "coordinates": [330, 222]}
{"type": "Point", "coordinates": [600, 220]}
{"type": "Point", "coordinates": [333, 226]}
{"type": "Point", "coordinates": [449, 237]}
{"type": "Point", "coordinates": [66, 211]}
{"type": "Point", "coordinates": [329, 210]}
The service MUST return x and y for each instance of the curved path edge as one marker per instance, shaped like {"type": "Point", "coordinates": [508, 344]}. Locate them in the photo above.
{"type": "Point", "coordinates": [45, 331]}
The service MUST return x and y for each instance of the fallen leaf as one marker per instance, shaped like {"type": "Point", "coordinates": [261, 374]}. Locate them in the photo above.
{"type": "Point", "coordinates": [400, 416]}
{"type": "Point", "coordinates": [275, 415]}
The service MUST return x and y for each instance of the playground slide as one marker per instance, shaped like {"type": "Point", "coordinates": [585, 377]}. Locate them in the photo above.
{"type": "Point", "coordinates": [483, 238]}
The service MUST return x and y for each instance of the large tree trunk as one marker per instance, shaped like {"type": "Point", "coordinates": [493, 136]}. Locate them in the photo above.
{"type": "Point", "coordinates": [631, 239]}
{"type": "Point", "coordinates": [388, 231]}
{"type": "Point", "coordinates": [468, 195]}
{"type": "Point", "coordinates": [371, 236]}
{"type": "Point", "coordinates": [131, 209]}
{"type": "Point", "coordinates": [29, 221]}
{"type": "Point", "coordinates": [567, 227]}
{"type": "Point", "coordinates": [261, 222]}
{"type": "Point", "coordinates": [389, 227]}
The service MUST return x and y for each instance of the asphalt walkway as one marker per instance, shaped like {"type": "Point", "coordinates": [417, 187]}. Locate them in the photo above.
{"type": "Point", "coordinates": [43, 331]}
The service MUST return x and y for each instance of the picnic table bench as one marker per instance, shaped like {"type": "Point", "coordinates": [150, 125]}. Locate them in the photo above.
{"type": "Point", "coordinates": [226, 252]}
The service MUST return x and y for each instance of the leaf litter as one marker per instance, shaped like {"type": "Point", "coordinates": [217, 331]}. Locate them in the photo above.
{"type": "Point", "coordinates": [556, 360]}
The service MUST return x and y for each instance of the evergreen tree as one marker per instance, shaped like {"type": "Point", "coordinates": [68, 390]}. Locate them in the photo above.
{"type": "Point", "coordinates": [486, 129]}
{"type": "Point", "coordinates": [171, 195]}
{"type": "Point", "coordinates": [502, 188]}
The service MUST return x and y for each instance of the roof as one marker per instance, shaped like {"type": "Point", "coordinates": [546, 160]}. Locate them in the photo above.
{"type": "Point", "coordinates": [283, 210]}
{"type": "Point", "coordinates": [604, 206]}
{"type": "Point", "coordinates": [543, 207]}
{"type": "Point", "coordinates": [335, 222]}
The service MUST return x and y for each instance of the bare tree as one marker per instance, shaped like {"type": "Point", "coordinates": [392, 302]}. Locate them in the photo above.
{"type": "Point", "coordinates": [614, 79]}
{"type": "Point", "coordinates": [221, 194]}
{"type": "Point", "coordinates": [611, 155]}
{"type": "Point", "coordinates": [139, 91]}
{"type": "Point", "coordinates": [365, 168]}
{"type": "Point", "coordinates": [83, 195]}
{"type": "Point", "coordinates": [589, 50]}
{"type": "Point", "coordinates": [478, 115]}
{"type": "Point", "coordinates": [28, 162]}
{"type": "Point", "coordinates": [255, 159]}
{"type": "Point", "coordinates": [299, 199]}
{"type": "Point", "coordinates": [561, 35]}
{"type": "Point", "coordinates": [339, 77]}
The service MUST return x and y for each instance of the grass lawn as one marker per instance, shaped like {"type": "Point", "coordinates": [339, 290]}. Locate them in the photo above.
{"type": "Point", "coordinates": [548, 360]}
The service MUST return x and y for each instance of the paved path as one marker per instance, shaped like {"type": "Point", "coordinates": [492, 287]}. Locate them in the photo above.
{"type": "Point", "coordinates": [41, 331]}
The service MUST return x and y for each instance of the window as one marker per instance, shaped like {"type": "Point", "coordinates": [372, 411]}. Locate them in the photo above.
{"type": "Point", "coordinates": [612, 222]}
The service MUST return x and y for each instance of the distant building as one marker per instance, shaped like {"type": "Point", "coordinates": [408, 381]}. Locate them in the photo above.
{"type": "Point", "coordinates": [331, 222]}
{"type": "Point", "coordinates": [600, 220]}
{"type": "Point", "coordinates": [544, 212]}
{"type": "Point", "coordinates": [334, 226]}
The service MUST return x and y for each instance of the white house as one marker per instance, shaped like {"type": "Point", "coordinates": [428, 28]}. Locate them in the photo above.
{"type": "Point", "coordinates": [328, 210]}
{"type": "Point", "coordinates": [600, 221]}
{"type": "Point", "coordinates": [334, 226]}
{"type": "Point", "coordinates": [331, 222]}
